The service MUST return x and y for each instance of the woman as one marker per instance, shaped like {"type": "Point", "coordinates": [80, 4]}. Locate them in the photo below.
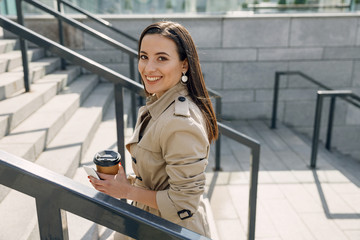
{"type": "Point", "coordinates": [170, 144]}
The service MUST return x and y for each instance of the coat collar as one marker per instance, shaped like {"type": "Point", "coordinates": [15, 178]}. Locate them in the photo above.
{"type": "Point", "coordinates": [157, 106]}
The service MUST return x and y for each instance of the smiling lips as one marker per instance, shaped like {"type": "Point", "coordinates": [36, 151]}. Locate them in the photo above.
{"type": "Point", "coordinates": [152, 79]}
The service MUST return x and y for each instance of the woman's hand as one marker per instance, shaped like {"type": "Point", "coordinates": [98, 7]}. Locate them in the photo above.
{"type": "Point", "coordinates": [114, 185]}
{"type": "Point", "coordinates": [118, 186]}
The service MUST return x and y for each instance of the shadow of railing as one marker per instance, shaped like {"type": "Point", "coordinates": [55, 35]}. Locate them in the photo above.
{"type": "Point", "coordinates": [325, 205]}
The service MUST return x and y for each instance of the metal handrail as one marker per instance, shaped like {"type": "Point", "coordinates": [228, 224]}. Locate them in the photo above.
{"type": "Point", "coordinates": [118, 79]}
{"type": "Point", "coordinates": [121, 81]}
{"type": "Point", "coordinates": [106, 39]}
{"type": "Point", "coordinates": [317, 120]}
{"type": "Point", "coordinates": [346, 95]}
{"type": "Point", "coordinates": [55, 194]}
{"type": "Point", "coordinates": [306, 77]}
{"type": "Point", "coordinates": [97, 19]}
{"type": "Point", "coordinates": [84, 28]}
{"type": "Point", "coordinates": [254, 171]}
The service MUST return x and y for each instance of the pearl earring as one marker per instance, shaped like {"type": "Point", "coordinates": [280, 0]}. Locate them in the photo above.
{"type": "Point", "coordinates": [184, 78]}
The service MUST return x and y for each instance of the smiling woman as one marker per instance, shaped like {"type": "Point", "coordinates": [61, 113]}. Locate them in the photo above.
{"type": "Point", "coordinates": [172, 136]}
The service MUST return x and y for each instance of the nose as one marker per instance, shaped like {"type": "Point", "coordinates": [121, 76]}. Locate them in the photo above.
{"type": "Point", "coordinates": [150, 66]}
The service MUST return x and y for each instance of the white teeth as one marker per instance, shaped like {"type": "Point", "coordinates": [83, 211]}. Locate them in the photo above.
{"type": "Point", "coordinates": [153, 78]}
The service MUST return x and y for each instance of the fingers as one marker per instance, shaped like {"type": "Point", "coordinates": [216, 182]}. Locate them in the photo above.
{"type": "Point", "coordinates": [121, 170]}
{"type": "Point", "coordinates": [104, 176]}
{"type": "Point", "coordinates": [97, 184]}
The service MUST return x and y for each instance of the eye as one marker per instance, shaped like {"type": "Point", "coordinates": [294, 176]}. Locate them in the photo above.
{"type": "Point", "coordinates": [162, 58]}
{"type": "Point", "coordinates": [143, 57]}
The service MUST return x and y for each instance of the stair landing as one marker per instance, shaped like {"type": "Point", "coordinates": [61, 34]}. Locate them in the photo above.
{"type": "Point", "coordinates": [294, 201]}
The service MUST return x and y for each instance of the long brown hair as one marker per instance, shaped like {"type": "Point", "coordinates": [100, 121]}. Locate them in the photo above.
{"type": "Point", "coordinates": [195, 84]}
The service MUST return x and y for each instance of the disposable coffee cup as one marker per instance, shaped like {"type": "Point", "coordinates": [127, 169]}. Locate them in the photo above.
{"type": "Point", "coordinates": [107, 161]}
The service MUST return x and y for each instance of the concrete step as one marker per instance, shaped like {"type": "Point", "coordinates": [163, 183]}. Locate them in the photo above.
{"type": "Point", "coordinates": [62, 156]}
{"type": "Point", "coordinates": [104, 138]}
{"type": "Point", "coordinates": [29, 138]}
{"type": "Point", "coordinates": [13, 81]}
{"type": "Point", "coordinates": [36, 132]}
{"type": "Point", "coordinates": [64, 152]}
{"type": "Point", "coordinates": [16, 109]}
{"type": "Point", "coordinates": [8, 45]}
{"type": "Point", "coordinates": [13, 59]}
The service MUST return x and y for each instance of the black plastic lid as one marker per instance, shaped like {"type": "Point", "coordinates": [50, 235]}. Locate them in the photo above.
{"type": "Point", "coordinates": [107, 158]}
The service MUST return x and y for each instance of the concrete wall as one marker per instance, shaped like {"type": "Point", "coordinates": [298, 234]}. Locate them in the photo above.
{"type": "Point", "coordinates": [240, 55]}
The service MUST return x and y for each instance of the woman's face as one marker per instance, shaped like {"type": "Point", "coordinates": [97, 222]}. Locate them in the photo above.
{"type": "Point", "coordinates": [159, 64]}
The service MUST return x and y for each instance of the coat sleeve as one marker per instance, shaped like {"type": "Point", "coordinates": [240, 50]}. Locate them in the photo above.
{"type": "Point", "coordinates": [185, 148]}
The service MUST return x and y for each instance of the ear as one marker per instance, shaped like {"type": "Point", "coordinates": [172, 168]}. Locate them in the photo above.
{"type": "Point", "coordinates": [185, 65]}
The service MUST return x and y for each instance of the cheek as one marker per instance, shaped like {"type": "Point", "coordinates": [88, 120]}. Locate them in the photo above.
{"type": "Point", "coordinates": [140, 67]}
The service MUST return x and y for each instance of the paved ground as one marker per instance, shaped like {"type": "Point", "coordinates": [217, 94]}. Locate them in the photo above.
{"type": "Point", "coordinates": [294, 201]}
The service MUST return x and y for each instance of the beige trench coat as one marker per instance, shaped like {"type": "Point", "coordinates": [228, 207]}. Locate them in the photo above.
{"type": "Point", "coordinates": [171, 156]}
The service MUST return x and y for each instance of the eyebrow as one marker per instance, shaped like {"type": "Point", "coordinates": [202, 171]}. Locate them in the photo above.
{"type": "Point", "coordinates": [158, 53]}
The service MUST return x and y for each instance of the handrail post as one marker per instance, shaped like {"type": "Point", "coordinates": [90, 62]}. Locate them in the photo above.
{"type": "Point", "coordinates": [254, 171]}
{"type": "Point", "coordinates": [133, 97]}
{"type": "Point", "coordinates": [217, 153]}
{"type": "Point", "coordinates": [218, 108]}
{"type": "Point", "coordinates": [23, 47]}
{"type": "Point", "coordinates": [330, 123]}
{"type": "Point", "coordinates": [51, 220]}
{"type": "Point", "coordinates": [119, 114]}
{"type": "Point", "coordinates": [275, 100]}
{"type": "Point", "coordinates": [317, 123]}
{"type": "Point", "coordinates": [61, 33]}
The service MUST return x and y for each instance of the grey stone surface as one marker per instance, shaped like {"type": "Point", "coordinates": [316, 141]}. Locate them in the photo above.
{"type": "Point", "coordinates": [346, 138]}
{"type": "Point", "coordinates": [104, 56]}
{"type": "Point", "coordinates": [132, 28]}
{"type": "Point", "coordinates": [350, 53]}
{"type": "Point", "coordinates": [352, 115]}
{"type": "Point", "coordinates": [302, 113]}
{"type": "Point", "coordinates": [299, 113]}
{"type": "Point", "coordinates": [358, 34]}
{"type": "Point", "coordinates": [323, 31]}
{"type": "Point", "coordinates": [251, 74]}
{"type": "Point", "coordinates": [285, 94]}
{"type": "Point", "coordinates": [334, 74]}
{"type": "Point", "coordinates": [206, 33]}
{"type": "Point", "coordinates": [227, 55]}
{"type": "Point", "coordinates": [256, 32]}
{"type": "Point", "coordinates": [213, 74]}
{"type": "Point", "coordinates": [251, 110]}
{"type": "Point", "coordinates": [356, 78]}
{"type": "Point", "coordinates": [281, 54]}
{"type": "Point", "coordinates": [229, 96]}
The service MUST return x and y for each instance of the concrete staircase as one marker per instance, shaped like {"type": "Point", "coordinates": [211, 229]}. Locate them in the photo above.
{"type": "Point", "coordinates": [52, 125]}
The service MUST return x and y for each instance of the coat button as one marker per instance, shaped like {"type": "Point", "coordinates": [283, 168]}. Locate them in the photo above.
{"type": "Point", "coordinates": [182, 99]}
